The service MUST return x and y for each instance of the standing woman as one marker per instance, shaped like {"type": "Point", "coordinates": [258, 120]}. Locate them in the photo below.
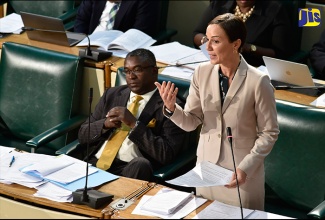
{"type": "Point", "coordinates": [228, 92]}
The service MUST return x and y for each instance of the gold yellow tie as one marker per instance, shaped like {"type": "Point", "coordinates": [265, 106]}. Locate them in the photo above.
{"type": "Point", "coordinates": [112, 146]}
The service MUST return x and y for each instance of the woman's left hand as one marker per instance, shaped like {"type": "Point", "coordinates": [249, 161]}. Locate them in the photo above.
{"type": "Point", "coordinates": [168, 93]}
{"type": "Point", "coordinates": [241, 176]}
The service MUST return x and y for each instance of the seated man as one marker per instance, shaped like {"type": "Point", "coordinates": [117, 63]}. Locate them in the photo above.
{"type": "Point", "coordinates": [150, 140]}
{"type": "Point", "coordinates": [98, 15]}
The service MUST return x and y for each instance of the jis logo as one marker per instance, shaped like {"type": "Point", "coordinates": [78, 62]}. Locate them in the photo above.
{"type": "Point", "coordinates": [309, 17]}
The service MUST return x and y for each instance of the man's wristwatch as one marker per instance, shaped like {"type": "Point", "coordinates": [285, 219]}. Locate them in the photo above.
{"type": "Point", "coordinates": [253, 48]}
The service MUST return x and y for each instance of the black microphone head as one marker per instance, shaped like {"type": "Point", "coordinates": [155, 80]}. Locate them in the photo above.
{"type": "Point", "coordinates": [229, 134]}
{"type": "Point", "coordinates": [28, 29]}
{"type": "Point", "coordinates": [90, 95]}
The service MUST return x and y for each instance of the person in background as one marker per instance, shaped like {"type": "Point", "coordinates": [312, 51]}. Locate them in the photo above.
{"type": "Point", "coordinates": [269, 31]}
{"type": "Point", "coordinates": [95, 15]}
{"type": "Point", "coordinates": [152, 140]}
{"type": "Point", "coordinates": [228, 92]}
{"type": "Point", "coordinates": [317, 57]}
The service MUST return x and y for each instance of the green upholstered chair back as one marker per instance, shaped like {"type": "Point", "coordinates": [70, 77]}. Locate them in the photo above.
{"type": "Point", "coordinates": [42, 7]}
{"type": "Point", "coordinates": [295, 166]}
{"type": "Point", "coordinates": [38, 89]}
{"type": "Point", "coordinates": [187, 157]}
{"type": "Point", "coordinates": [63, 9]}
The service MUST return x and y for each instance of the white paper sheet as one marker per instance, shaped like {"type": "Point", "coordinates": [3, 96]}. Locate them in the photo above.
{"type": "Point", "coordinates": [218, 210]}
{"type": "Point", "coordinates": [204, 174]}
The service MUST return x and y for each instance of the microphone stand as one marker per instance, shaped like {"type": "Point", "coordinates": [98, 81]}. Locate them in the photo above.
{"type": "Point", "coordinates": [92, 198]}
{"type": "Point", "coordinates": [93, 54]}
{"type": "Point", "coordinates": [229, 135]}
{"type": "Point", "coordinates": [181, 64]}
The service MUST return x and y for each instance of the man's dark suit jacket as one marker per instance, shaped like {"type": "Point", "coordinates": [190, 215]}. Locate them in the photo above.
{"type": "Point", "coordinates": [159, 144]}
{"type": "Point", "coordinates": [317, 57]}
{"type": "Point", "coordinates": [141, 15]}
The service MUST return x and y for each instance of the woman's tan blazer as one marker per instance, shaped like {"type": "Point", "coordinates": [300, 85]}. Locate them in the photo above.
{"type": "Point", "coordinates": [249, 110]}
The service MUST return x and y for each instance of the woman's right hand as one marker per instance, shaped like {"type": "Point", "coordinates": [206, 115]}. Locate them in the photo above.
{"type": "Point", "coordinates": [168, 93]}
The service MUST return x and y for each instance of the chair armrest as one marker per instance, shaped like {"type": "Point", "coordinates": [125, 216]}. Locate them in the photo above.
{"type": "Point", "coordinates": [168, 171]}
{"type": "Point", "coordinates": [56, 132]}
{"type": "Point", "coordinates": [318, 212]}
{"type": "Point", "coordinates": [68, 148]}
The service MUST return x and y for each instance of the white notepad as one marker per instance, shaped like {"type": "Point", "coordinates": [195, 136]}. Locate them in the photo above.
{"type": "Point", "coordinates": [166, 201]}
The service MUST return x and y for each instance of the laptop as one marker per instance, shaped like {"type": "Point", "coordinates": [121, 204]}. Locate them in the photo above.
{"type": "Point", "coordinates": [286, 73]}
{"type": "Point", "coordinates": [49, 24]}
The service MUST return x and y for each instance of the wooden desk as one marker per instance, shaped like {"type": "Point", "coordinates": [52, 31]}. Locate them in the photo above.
{"type": "Point", "coordinates": [119, 188]}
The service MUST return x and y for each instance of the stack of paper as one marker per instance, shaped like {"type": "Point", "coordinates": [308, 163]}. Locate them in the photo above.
{"type": "Point", "coordinates": [175, 53]}
{"type": "Point", "coordinates": [61, 169]}
{"type": "Point", "coordinates": [54, 177]}
{"type": "Point", "coordinates": [168, 204]}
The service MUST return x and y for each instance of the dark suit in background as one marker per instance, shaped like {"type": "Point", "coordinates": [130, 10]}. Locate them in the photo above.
{"type": "Point", "coordinates": [268, 27]}
{"type": "Point", "coordinates": [159, 144]}
{"type": "Point", "coordinates": [141, 15]}
{"type": "Point", "coordinates": [317, 57]}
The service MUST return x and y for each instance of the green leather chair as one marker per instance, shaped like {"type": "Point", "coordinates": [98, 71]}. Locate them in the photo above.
{"type": "Point", "coordinates": [295, 168]}
{"type": "Point", "coordinates": [39, 98]}
{"type": "Point", "coordinates": [186, 159]}
{"type": "Point", "coordinates": [63, 9]}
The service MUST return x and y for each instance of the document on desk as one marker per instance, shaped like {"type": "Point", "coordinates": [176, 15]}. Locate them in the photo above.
{"type": "Point", "coordinates": [175, 53]}
{"type": "Point", "coordinates": [204, 174]}
{"type": "Point", "coordinates": [62, 169]}
{"type": "Point", "coordinates": [219, 210]}
{"type": "Point", "coordinates": [319, 102]}
{"type": "Point", "coordinates": [12, 174]}
{"type": "Point", "coordinates": [179, 72]}
{"type": "Point", "coordinates": [11, 23]}
{"type": "Point", "coordinates": [165, 199]}
{"type": "Point", "coordinates": [53, 192]}
{"type": "Point", "coordinates": [95, 179]}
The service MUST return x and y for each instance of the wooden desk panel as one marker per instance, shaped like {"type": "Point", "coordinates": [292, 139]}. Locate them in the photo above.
{"type": "Point", "coordinates": [119, 188]}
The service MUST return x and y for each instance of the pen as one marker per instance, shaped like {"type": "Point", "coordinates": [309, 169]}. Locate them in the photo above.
{"type": "Point", "coordinates": [12, 161]}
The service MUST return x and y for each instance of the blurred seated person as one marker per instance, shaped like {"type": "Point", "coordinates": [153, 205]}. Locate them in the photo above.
{"type": "Point", "coordinates": [148, 139]}
{"type": "Point", "coordinates": [317, 57]}
{"type": "Point", "coordinates": [268, 27]}
{"type": "Point", "coordinates": [98, 15]}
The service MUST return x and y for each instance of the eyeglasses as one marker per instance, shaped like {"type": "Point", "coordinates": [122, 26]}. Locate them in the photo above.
{"type": "Point", "coordinates": [205, 39]}
{"type": "Point", "coordinates": [137, 70]}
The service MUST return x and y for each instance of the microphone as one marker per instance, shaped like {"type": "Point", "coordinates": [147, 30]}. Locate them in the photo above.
{"type": "Point", "coordinates": [93, 54]}
{"type": "Point", "coordinates": [92, 198]}
{"type": "Point", "coordinates": [181, 64]}
{"type": "Point", "coordinates": [229, 136]}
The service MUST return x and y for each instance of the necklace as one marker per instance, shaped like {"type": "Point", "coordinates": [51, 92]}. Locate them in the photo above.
{"type": "Point", "coordinates": [244, 16]}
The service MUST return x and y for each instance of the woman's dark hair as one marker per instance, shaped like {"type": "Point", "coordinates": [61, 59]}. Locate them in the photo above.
{"type": "Point", "coordinates": [233, 26]}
